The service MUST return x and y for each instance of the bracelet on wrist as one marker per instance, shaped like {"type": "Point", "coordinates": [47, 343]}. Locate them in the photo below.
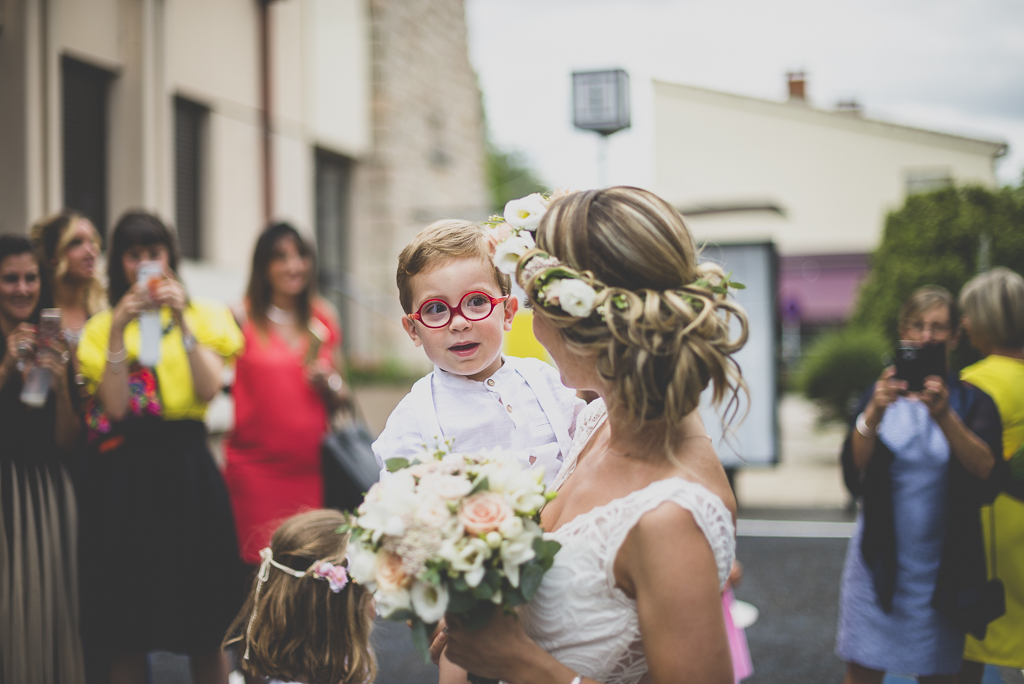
{"type": "Point", "coordinates": [863, 429]}
{"type": "Point", "coordinates": [335, 383]}
{"type": "Point", "coordinates": [117, 358]}
{"type": "Point", "coordinates": [190, 342]}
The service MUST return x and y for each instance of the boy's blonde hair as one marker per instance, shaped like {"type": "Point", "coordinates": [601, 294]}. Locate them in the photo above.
{"type": "Point", "coordinates": [303, 631]}
{"type": "Point", "coordinates": [441, 242]}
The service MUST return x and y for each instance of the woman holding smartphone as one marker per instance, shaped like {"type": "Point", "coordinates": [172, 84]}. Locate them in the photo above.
{"type": "Point", "coordinates": [39, 590]}
{"type": "Point", "coordinates": [161, 563]}
{"type": "Point", "coordinates": [923, 463]}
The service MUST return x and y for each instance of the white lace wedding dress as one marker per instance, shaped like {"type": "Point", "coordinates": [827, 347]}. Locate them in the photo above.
{"type": "Point", "coordinates": [578, 614]}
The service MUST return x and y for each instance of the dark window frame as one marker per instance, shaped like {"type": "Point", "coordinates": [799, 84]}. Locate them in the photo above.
{"type": "Point", "coordinates": [85, 134]}
{"type": "Point", "coordinates": [190, 120]}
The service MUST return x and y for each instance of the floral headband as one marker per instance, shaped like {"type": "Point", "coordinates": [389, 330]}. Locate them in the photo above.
{"type": "Point", "coordinates": [335, 575]}
{"type": "Point", "coordinates": [557, 285]}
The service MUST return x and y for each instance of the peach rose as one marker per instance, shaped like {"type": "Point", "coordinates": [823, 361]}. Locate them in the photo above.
{"type": "Point", "coordinates": [390, 575]}
{"type": "Point", "coordinates": [484, 512]}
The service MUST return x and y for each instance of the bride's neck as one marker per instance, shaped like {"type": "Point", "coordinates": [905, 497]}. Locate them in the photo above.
{"type": "Point", "coordinates": [648, 439]}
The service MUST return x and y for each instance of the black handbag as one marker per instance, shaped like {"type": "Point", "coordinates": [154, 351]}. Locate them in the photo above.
{"type": "Point", "coordinates": [347, 462]}
{"type": "Point", "coordinates": [973, 608]}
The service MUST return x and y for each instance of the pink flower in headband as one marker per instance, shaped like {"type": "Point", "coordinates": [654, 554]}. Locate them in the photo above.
{"type": "Point", "coordinates": [336, 575]}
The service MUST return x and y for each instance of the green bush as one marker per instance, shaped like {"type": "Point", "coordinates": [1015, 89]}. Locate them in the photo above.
{"type": "Point", "coordinates": [387, 372]}
{"type": "Point", "coordinates": [839, 366]}
{"type": "Point", "coordinates": [940, 238]}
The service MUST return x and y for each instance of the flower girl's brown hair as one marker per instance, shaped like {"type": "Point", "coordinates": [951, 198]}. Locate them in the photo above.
{"type": "Point", "coordinates": [301, 630]}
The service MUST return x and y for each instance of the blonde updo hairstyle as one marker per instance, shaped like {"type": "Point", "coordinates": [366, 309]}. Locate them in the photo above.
{"type": "Point", "coordinates": [659, 337]}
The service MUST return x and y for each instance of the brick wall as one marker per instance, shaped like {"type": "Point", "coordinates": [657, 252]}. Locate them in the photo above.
{"type": "Point", "coordinates": [428, 155]}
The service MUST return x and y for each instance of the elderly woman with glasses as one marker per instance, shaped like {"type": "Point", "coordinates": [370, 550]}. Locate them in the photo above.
{"type": "Point", "coordinates": [922, 464]}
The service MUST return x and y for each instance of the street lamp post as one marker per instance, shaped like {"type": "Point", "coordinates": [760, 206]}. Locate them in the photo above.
{"type": "Point", "coordinates": [601, 103]}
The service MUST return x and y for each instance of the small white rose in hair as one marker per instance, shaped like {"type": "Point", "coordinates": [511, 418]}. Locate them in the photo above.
{"type": "Point", "coordinates": [525, 212]}
{"type": "Point", "coordinates": [507, 253]}
{"type": "Point", "coordinates": [576, 297]}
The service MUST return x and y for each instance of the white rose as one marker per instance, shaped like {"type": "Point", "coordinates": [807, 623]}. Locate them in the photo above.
{"type": "Point", "coordinates": [433, 512]}
{"type": "Point", "coordinates": [506, 254]}
{"type": "Point", "coordinates": [526, 500]}
{"type": "Point", "coordinates": [470, 560]}
{"type": "Point", "coordinates": [576, 297]}
{"type": "Point", "coordinates": [429, 601]}
{"type": "Point", "coordinates": [525, 212]}
{"type": "Point", "coordinates": [390, 601]}
{"type": "Point", "coordinates": [451, 487]}
{"type": "Point", "coordinates": [515, 552]}
{"type": "Point", "coordinates": [362, 565]}
{"type": "Point", "coordinates": [512, 527]}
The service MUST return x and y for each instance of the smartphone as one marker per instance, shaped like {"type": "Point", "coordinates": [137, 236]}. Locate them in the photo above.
{"type": "Point", "coordinates": [49, 330]}
{"type": "Point", "coordinates": [150, 331]}
{"type": "Point", "coordinates": [915, 362]}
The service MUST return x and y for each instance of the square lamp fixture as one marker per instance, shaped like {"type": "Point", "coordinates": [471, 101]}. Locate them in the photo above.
{"type": "Point", "coordinates": [601, 100]}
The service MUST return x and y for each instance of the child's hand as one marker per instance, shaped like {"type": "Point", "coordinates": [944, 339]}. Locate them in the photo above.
{"type": "Point", "coordinates": [438, 640]}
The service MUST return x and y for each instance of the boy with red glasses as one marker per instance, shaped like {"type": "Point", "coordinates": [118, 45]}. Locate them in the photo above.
{"type": "Point", "coordinates": [457, 307]}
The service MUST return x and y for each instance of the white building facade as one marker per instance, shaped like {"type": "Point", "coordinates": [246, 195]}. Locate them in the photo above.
{"type": "Point", "coordinates": [818, 184]}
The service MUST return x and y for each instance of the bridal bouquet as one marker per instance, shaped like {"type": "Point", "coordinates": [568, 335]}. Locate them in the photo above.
{"type": "Point", "coordinates": [454, 533]}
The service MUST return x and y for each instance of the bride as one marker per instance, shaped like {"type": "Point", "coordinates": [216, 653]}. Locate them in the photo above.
{"type": "Point", "coordinates": [644, 512]}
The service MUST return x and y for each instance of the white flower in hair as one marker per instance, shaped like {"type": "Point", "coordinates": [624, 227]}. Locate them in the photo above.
{"type": "Point", "coordinates": [507, 253]}
{"type": "Point", "coordinates": [575, 297]}
{"type": "Point", "coordinates": [526, 212]}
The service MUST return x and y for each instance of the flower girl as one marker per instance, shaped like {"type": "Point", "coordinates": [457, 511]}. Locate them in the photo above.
{"type": "Point", "coordinates": [304, 620]}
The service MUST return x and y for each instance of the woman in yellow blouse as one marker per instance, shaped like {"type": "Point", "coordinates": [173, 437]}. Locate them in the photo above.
{"type": "Point", "coordinates": [993, 308]}
{"type": "Point", "coordinates": [160, 561]}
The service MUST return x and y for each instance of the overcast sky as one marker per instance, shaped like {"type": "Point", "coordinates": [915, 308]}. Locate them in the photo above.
{"type": "Point", "coordinates": [946, 65]}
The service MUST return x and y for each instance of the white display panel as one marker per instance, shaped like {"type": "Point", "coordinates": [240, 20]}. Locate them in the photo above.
{"type": "Point", "coordinates": [752, 438]}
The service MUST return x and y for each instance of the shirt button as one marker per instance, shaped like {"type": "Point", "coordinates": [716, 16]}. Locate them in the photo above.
{"type": "Point", "coordinates": [490, 383]}
{"type": "Point", "coordinates": [509, 409]}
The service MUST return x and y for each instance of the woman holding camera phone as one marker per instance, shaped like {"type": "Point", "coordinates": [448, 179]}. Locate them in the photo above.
{"type": "Point", "coordinates": [993, 309]}
{"type": "Point", "coordinates": [923, 463]}
{"type": "Point", "coordinates": [161, 563]}
{"type": "Point", "coordinates": [38, 591]}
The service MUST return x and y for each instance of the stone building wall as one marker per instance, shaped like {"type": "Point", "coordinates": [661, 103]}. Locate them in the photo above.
{"type": "Point", "coordinates": [427, 160]}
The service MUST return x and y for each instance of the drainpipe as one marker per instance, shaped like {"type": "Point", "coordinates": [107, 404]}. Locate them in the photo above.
{"type": "Point", "coordinates": [265, 111]}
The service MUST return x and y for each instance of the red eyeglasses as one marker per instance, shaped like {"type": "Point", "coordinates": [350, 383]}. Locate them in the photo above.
{"type": "Point", "coordinates": [474, 306]}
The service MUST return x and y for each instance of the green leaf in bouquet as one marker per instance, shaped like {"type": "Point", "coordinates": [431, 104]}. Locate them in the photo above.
{"type": "Point", "coordinates": [512, 596]}
{"type": "Point", "coordinates": [459, 584]}
{"type": "Point", "coordinates": [480, 486]}
{"type": "Point", "coordinates": [545, 550]}
{"type": "Point", "coordinates": [400, 615]}
{"type": "Point", "coordinates": [530, 576]}
{"type": "Point", "coordinates": [421, 638]}
{"type": "Point", "coordinates": [460, 601]}
{"type": "Point", "coordinates": [483, 591]}
{"type": "Point", "coordinates": [477, 616]}
{"type": "Point", "coordinates": [395, 464]}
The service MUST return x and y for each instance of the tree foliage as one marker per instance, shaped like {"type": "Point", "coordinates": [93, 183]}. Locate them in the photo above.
{"type": "Point", "coordinates": [940, 238]}
{"type": "Point", "coordinates": [509, 177]}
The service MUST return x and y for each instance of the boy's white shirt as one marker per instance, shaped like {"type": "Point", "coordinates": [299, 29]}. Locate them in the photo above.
{"type": "Point", "coordinates": [476, 416]}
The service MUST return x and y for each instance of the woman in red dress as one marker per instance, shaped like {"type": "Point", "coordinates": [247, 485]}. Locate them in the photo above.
{"type": "Point", "coordinates": [287, 381]}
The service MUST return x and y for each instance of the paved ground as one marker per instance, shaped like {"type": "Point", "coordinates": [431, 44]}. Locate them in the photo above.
{"type": "Point", "coordinates": [792, 580]}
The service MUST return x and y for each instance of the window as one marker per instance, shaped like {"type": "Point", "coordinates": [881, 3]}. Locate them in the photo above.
{"type": "Point", "coordinates": [84, 126]}
{"type": "Point", "coordinates": [333, 182]}
{"type": "Point", "coordinates": [928, 180]}
{"type": "Point", "coordinates": [188, 162]}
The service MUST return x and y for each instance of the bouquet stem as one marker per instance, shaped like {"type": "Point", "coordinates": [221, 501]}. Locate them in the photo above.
{"type": "Point", "coordinates": [477, 679]}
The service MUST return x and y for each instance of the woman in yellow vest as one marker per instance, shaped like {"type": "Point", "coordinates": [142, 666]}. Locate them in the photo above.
{"type": "Point", "coordinates": [993, 309]}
